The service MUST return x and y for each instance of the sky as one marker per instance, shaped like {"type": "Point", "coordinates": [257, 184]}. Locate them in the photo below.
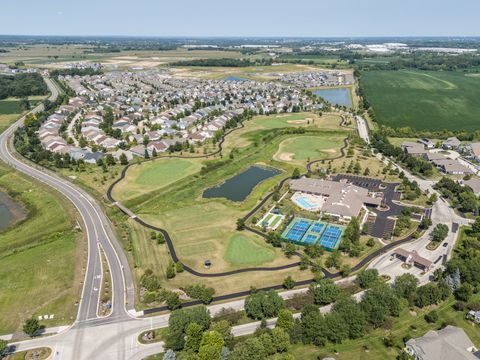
{"type": "Point", "coordinates": [244, 18]}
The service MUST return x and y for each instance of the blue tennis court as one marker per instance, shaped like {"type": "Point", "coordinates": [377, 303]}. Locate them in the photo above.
{"type": "Point", "coordinates": [298, 230]}
{"type": "Point", "coordinates": [331, 237]}
{"type": "Point", "coordinates": [310, 239]}
{"type": "Point", "coordinates": [317, 228]}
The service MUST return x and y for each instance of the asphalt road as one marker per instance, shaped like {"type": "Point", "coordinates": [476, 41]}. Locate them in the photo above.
{"type": "Point", "coordinates": [96, 226]}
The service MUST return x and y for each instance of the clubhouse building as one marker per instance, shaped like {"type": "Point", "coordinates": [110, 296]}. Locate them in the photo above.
{"type": "Point", "coordinates": [339, 199]}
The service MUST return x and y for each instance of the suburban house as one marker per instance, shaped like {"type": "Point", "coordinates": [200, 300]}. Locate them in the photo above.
{"type": "Point", "coordinates": [449, 343]}
{"type": "Point", "coordinates": [342, 199]}
{"type": "Point", "coordinates": [474, 184]}
{"type": "Point", "coordinates": [427, 143]}
{"type": "Point", "coordinates": [451, 143]}
{"type": "Point", "coordinates": [413, 148]}
{"type": "Point", "coordinates": [474, 149]}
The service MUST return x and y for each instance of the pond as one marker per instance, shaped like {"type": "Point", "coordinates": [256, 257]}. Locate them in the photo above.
{"type": "Point", "coordinates": [10, 211]}
{"type": "Point", "coordinates": [234, 78]}
{"type": "Point", "coordinates": [337, 96]}
{"type": "Point", "coordinates": [239, 187]}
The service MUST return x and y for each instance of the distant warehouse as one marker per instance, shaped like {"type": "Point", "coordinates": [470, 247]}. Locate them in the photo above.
{"type": "Point", "coordinates": [341, 199]}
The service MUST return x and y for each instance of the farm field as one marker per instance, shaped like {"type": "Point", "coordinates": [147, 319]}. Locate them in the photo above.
{"type": "Point", "coordinates": [424, 100]}
{"type": "Point", "coordinates": [37, 273]}
{"type": "Point", "coordinates": [157, 174]}
{"type": "Point", "coordinates": [301, 149]}
{"type": "Point", "coordinates": [10, 110]}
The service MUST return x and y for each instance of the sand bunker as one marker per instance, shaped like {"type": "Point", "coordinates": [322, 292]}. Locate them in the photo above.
{"type": "Point", "coordinates": [285, 156]}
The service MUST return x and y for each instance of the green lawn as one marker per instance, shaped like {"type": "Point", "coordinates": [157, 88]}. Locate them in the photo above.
{"type": "Point", "coordinates": [299, 149]}
{"type": "Point", "coordinates": [39, 281]}
{"type": "Point", "coordinates": [425, 100]}
{"type": "Point", "coordinates": [154, 175]}
{"type": "Point", "coordinates": [244, 249]}
{"type": "Point", "coordinates": [38, 275]}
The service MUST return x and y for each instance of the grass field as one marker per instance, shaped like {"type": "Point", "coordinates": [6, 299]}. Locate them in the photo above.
{"type": "Point", "coordinates": [243, 249]}
{"type": "Point", "coordinates": [424, 100]}
{"type": "Point", "coordinates": [37, 274]}
{"type": "Point", "coordinates": [155, 175]}
{"type": "Point", "coordinates": [301, 149]}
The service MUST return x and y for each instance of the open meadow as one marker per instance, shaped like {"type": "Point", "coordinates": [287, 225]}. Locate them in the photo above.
{"type": "Point", "coordinates": [424, 100]}
{"type": "Point", "coordinates": [37, 273]}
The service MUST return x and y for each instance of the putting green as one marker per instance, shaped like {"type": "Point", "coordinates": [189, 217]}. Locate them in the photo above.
{"type": "Point", "coordinates": [301, 148]}
{"type": "Point", "coordinates": [154, 175]}
{"type": "Point", "coordinates": [243, 250]}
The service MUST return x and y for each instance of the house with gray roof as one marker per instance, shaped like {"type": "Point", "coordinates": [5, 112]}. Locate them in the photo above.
{"type": "Point", "coordinates": [449, 343]}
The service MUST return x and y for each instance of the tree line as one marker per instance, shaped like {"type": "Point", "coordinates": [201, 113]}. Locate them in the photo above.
{"type": "Point", "coordinates": [22, 85]}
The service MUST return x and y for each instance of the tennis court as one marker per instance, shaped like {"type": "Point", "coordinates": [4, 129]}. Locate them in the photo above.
{"type": "Point", "coordinates": [330, 238]}
{"type": "Point", "coordinates": [308, 232]}
{"type": "Point", "coordinates": [298, 230]}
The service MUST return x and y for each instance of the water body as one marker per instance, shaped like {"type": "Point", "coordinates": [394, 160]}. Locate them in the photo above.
{"type": "Point", "coordinates": [240, 186]}
{"type": "Point", "coordinates": [337, 96]}
{"type": "Point", "coordinates": [234, 78]}
{"type": "Point", "coordinates": [10, 211]}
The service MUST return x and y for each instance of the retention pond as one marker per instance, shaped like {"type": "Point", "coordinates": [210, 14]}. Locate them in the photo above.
{"type": "Point", "coordinates": [239, 187]}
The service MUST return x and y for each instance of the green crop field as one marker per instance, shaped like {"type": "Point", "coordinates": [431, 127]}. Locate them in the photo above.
{"type": "Point", "coordinates": [249, 250]}
{"type": "Point", "coordinates": [300, 149]}
{"type": "Point", "coordinates": [424, 100]}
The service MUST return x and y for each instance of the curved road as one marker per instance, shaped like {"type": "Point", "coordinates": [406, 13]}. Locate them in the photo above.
{"type": "Point", "coordinates": [96, 226]}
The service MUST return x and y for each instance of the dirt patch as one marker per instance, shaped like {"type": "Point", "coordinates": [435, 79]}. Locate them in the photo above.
{"type": "Point", "coordinates": [285, 156]}
{"type": "Point", "coordinates": [297, 122]}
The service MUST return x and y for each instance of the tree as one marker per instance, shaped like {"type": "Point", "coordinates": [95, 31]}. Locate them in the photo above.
{"type": "Point", "coordinates": [240, 224]}
{"type": "Point", "coordinates": [464, 292]}
{"type": "Point", "coordinates": [170, 272]}
{"type": "Point", "coordinates": [193, 337]}
{"type": "Point", "coordinates": [173, 300]}
{"type": "Point", "coordinates": [440, 232]}
{"type": "Point", "coordinates": [211, 346]}
{"type": "Point", "coordinates": [476, 226]}
{"type": "Point", "coordinates": [109, 160]}
{"type": "Point", "coordinates": [428, 294]}
{"type": "Point", "coordinates": [150, 281]}
{"type": "Point", "coordinates": [250, 349]}
{"type": "Point", "coordinates": [367, 278]}
{"type": "Point", "coordinates": [325, 292]}
{"type": "Point", "coordinates": [296, 173]}
{"type": "Point", "coordinates": [285, 320]}
{"type": "Point", "coordinates": [431, 317]}
{"type": "Point", "coordinates": [169, 355]}
{"type": "Point", "coordinates": [333, 260]}
{"type": "Point", "coordinates": [3, 346]}
{"type": "Point", "coordinates": [179, 321]}
{"type": "Point", "coordinates": [406, 286]}
{"type": "Point", "coordinates": [378, 302]}
{"type": "Point", "coordinates": [263, 304]}
{"type": "Point", "coordinates": [160, 238]}
{"type": "Point", "coordinates": [224, 328]}
{"type": "Point", "coordinates": [352, 232]}
{"type": "Point", "coordinates": [31, 326]}
{"type": "Point", "coordinates": [289, 250]}
{"type": "Point", "coordinates": [179, 267]}
{"type": "Point", "coordinates": [351, 313]}
{"type": "Point", "coordinates": [288, 283]}
{"type": "Point", "coordinates": [123, 159]}
{"type": "Point", "coordinates": [313, 326]}
{"type": "Point", "coordinates": [336, 327]}
{"type": "Point", "coordinates": [201, 292]}
{"type": "Point", "coordinates": [281, 339]}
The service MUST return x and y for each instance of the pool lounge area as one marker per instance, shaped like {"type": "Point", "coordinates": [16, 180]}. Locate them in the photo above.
{"type": "Point", "coordinates": [309, 232]}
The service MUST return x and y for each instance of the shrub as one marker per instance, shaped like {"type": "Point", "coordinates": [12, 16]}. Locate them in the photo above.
{"type": "Point", "coordinates": [459, 306]}
{"type": "Point", "coordinates": [431, 317]}
{"type": "Point", "coordinates": [200, 292]}
{"type": "Point", "coordinates": [229, 314]}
